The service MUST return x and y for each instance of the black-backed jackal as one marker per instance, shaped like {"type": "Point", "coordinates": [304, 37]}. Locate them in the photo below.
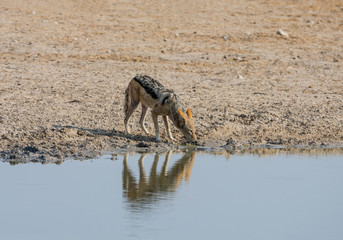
{"type": "Point", "coordinates": [151, 94]}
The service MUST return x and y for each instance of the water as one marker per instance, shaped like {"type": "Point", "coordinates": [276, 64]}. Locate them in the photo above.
{"type": "Point", "coordinates": [174, 196]}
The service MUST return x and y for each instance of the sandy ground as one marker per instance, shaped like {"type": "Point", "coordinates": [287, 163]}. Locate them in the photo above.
{"type": "Point", "coordinates": [65, 65]}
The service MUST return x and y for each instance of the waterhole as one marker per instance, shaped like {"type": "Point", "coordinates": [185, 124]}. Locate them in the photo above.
{"type": "Point", "coordinates": [184, 195]}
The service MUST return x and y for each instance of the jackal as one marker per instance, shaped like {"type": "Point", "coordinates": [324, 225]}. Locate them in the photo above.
{"type": "Point", "coordinates": [151, 94]}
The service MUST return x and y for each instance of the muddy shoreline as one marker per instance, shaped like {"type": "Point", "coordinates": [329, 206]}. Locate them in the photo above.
{"type": "Point", "coordinates": [33, 155]}
{"type": "Point", "coordinates": [93, 148]}
{"type": "Point", "coordinates": [253, 74]}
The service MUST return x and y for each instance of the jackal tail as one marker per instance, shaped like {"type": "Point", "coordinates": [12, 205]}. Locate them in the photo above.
{"type": "Point", "coordinates": [127, 102]}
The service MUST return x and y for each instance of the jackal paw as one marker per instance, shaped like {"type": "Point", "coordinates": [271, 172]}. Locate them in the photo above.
{"type": "Point", "coordinates": [146, 132]}
{"type": "Point", "coordinates": [128, 132]}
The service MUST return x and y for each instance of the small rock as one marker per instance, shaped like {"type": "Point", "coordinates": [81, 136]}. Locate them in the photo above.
{"type": "Point", "coordinates": [231, 142]}
{"type": "Point", "coordinates": [240, 77]}
{"type": "Point", "coordinates": [282, 33]}
{"type": "Point", "coordinates": [238, 58]}
{"type": "Point", "coordinates": [225, 38]}
{"type": "Point", "coordinates": [75, 101]}
{"type": "Point", "coordinates": [31, 149]}
{"type": "Point", "coordinates": [142, 145]}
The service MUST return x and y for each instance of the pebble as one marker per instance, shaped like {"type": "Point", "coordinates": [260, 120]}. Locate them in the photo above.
{"type": "Point", "coordinates": [240, 77]}
{"type": "Point", "coordinates": [282, 33]}
{"type": "Point", "coordinates": [238, 58]}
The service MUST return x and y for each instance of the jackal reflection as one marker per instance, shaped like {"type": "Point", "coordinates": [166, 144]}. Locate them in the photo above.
{"type": "Point", "coordinates": [150, 188]}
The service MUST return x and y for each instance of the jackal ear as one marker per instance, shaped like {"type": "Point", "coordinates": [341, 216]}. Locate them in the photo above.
{"type": "Point", "coordinates": [181, 113]}
{"type": "Point", "coordinates": [189, 113]}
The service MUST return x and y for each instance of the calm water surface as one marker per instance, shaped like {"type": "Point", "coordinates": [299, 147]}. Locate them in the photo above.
{"type": "Point", "coordinates": [174, 196]}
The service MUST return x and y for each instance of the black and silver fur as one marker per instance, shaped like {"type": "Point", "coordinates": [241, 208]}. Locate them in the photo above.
{"type": "Point", "coordinates": [150, 93]}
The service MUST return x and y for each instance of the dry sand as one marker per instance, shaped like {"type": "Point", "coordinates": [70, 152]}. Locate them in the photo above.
{"type": "Point", "coordinates": [65, 65]}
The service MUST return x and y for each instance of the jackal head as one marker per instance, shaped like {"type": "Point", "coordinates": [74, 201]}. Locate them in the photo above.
{"type": "Point", "coordinates": [187, 126]}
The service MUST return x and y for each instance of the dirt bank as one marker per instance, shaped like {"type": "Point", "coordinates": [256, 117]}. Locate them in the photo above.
{"type": "Point", "coordinates": [65, 66]}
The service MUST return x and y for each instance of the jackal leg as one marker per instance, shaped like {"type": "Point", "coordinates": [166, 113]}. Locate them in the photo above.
{"type": "Point", "coordinates": [166, 123]}
{"type": "Point", "coordinates": [142, 119]}
{"type": "Point", "coordinates": [133, 105]}
{"type": "Point", "coordinates": [157, 130]}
